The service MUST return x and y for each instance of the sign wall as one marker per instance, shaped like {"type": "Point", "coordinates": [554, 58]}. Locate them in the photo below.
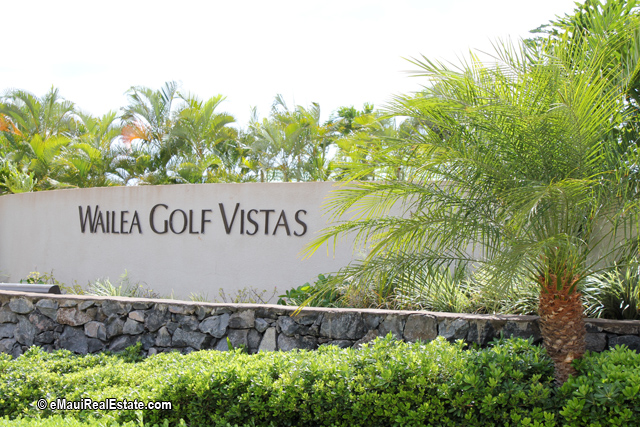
{"type": "Point", "coordinates": [178, 239]}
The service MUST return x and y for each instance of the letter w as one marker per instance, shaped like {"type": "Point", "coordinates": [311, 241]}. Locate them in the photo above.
{"type": "Point", "coordinates": [88, 217]}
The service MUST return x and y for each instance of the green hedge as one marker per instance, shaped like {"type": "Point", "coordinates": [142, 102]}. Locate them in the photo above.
{"type": "Point", "coordinates": [59, 421]}
{"type": "Point", "coordinates": [385, 384]}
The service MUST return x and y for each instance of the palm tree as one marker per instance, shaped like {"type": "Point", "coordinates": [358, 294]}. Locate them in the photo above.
{"type": "Point", "coordinates": [90, 159]}
{"type": "Point", "coordinates": [209, 147]}
{"type": "Point", "coordinates": [34, 131]}
{"type": "Point", "coordinates": [47, 116]}
{"type": "Point", "coordinates": [595, 24]}
{"type": "Point", "coordinates": [149, 122]}
{"type": "Point", "coordinates": [514, 168]}
{"type": "Point", "coordinates": [291, 145]}
{"type": "Point", "coordinates": [361, 137]}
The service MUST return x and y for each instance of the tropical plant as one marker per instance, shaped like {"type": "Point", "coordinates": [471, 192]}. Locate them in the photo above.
{"type": "Point", "coordinates": [209, 148]}
{"type": "Point", "coordinates": [246, 295]}
{"type": "Point", "coordinates": [15, 180]}
{"type": "Point", "coordinates": [35, 277]}
{"type": "Point", "coordinates": [290, 145]}
{"type": "Point", "coordinates": [614, 294]}
{"type": "Point", "coordinates": [348, 120]}
{"type": "Point", "coordinates": [362, 137]}
{"type": "Point", "coordinates": [299, 295]}
{"type": "Point", "coordinates": [458, 290]}
{"type": "Point", "coordinates": [27, 115]}
{"type": "Point", "coordinates": [90, 160]}
{"type": "Point", "coordinates": [123, 288]}
{"type": "Point", "coordinates": [149, 122]}
{"type": "Point", "coordinates": [516, 168]}
{"type": "Point", "coordinates": [174, 138]}
{"type": "Point", "coordinates": [34, 131]}
{"type": "Point", "coordinates": [614, 24]}
{"type": "Point", "coordinates": [442, 290]}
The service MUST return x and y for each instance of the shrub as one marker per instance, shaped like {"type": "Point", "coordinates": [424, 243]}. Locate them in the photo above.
{"type": "Point", "coordinates": [122, 288]}
{"type": "Point", "coordinates": [385, 383]}
{"type": "Point", "coordinates": [607, 391]}
{"type": "Point", "coordinates": [246, 295]}
{"type": "Point", "coordinates": [59, 421]}
{"type": "Point", "coordinates": [320, 294]}
{"type": "Point", "coordinates": [614, 294]}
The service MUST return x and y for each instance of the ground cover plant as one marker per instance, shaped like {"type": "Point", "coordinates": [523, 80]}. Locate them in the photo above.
{"type": "Point", "coordinates": [385, 383]}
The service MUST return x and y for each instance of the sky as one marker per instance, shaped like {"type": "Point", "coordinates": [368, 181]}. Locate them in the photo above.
{"type": "Point", "coordinates": [335, 53]}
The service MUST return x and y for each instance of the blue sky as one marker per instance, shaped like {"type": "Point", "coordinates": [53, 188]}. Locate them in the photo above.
{"type": "Point", "coordinates": [332, 52]}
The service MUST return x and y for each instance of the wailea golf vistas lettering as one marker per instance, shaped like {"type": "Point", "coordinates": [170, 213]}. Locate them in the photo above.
{"type": "Point", "coordinates": [163, 219]}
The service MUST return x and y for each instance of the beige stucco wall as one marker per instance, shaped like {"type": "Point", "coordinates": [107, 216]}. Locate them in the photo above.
{"type": "Point", "coordinates": [42, 232]}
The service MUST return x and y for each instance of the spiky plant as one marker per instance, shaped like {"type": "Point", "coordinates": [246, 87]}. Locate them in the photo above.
{"type": "Point", "coordinates": [516, 167]}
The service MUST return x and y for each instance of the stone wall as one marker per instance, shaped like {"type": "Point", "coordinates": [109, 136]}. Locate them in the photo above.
{"type": "Point", "coordinates": [89, 324]}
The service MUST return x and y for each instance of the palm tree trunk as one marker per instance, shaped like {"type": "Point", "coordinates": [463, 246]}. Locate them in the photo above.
{"type": "Point", "coordinates": [562, 325]}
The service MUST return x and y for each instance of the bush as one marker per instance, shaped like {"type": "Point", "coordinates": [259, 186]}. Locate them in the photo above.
{"type": "Point", "coordinates": [614, 294]}
{"type": "Point", "coordinates": [123, 288]}
{"type": "Point", "coordinates": [385, 383]}
{"type": "Point", "coordinates": [606, 393]}
{"type": "Point", "coordinates": [58, 421]}
{"type": "Point", "coordinates": [321, 294]}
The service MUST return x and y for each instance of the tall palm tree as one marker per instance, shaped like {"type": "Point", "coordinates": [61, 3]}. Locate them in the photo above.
{"type": "Point", "coordinates": [513, 168]}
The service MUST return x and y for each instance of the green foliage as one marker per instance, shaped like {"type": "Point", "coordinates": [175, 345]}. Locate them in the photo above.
{"type": "Point", "coordinates": [15, 180]}
{"type": "Point", "coordinates": [385, 383]}
{"type": "Point", "coordinates": [130, 354]}
{"type": "Point", "coordinates": [241, 348]}
{"type": "Point", "coordinates": [62, 421]}
{"type": "Point", "coordinates": [457, 290]}
{"type": "Point", "coordinates": [607, 391]}
{"type": "Point", "coordinates": [524, 168]}
{"type": "Point", "coordinates": [246, 295]}
{"type": "Point", "coordinates": [320, 294]}
{"type": "Point", "coordinates": [434, 289]}
{"type": "Point", "coordinates": [35, 277]}
{"type": "Point", "coordinates": [123, 288]}
{"type": "Point", "coordinates": [166, 137]}
{"type": "Point", "coordinates": [437, 290]}
{"type": "Point", "coordinates": [290, 145]}
{"type": "Point", "coordinates": [199, 297]}
{"type": "Point", "coordinates": [610, 295]}
{"type": "Point", "coordinates": [26, 379]}
{"type": "Point", "coordinates": [614, 294]}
